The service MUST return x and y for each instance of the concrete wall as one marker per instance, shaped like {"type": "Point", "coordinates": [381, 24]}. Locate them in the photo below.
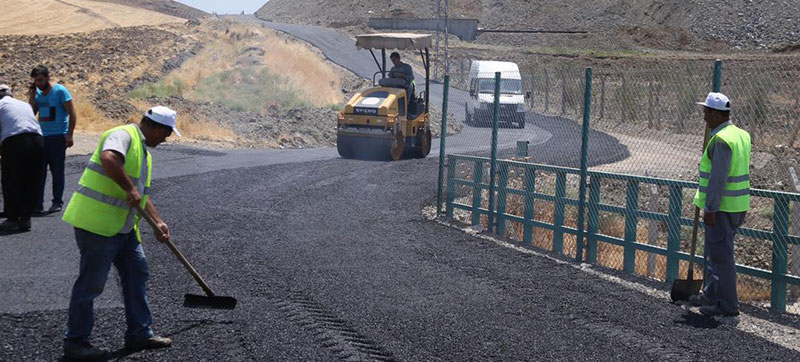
{"type": "Point", "coordinates": [464, 29]}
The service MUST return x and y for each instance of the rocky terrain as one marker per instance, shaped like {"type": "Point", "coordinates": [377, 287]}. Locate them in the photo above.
{"type": "Point", "coordinates": [613, 24]}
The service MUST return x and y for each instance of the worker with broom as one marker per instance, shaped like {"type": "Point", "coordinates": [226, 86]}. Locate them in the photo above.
{"type": "Point", "coordinates": [104, 213]}
{"type": "Point", "coordinates": [724, 197]}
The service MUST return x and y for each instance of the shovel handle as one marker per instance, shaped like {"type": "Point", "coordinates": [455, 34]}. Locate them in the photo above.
{"type": "Point", "coordinates": [177, 252]}
{"type": "Point", "coordinates": [696, 219]}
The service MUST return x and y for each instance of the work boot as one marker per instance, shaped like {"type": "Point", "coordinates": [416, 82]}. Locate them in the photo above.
{"type": "Point", "coordinates": [54, 208]}
{"type": "Point", "coordinates": [699, 300]}
{"type": "Point", "coordinates": [9, 225]}
{"type": "Point", "coordinates": [715, 310]}
{"type": "Point", "coordinates": [83, 351]}
{"type": "Point", "coordinates": [153, 342]}
{"type": "Point", "coordinates": [24, 224]}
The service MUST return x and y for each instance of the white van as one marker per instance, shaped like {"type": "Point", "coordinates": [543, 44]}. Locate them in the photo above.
{"type": "Point", "coordinates": [480, 107]}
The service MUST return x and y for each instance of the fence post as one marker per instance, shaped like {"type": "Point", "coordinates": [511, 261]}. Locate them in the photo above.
{"type": "Point", "coordinates": [674, 232]}
{"type": "Point", "coordinates": [451, 192]}
{"type": "Point", "coordinates": [594, 218]}
{"type": "Point", "coordinates": [530, 189]}
{"type": "Point", "coordinates": [477, 190]}
{"type": "Point", "coordinates": [563, 92]}
{"type": "Point", "coordinates": [779, 254]}
{"type": "Point", "coordinates": [631, 223]}
{"type": "Point", "coordinates": [602, 97]}
{"type": "Point", "coordinates": [493, 165]}
{"type": "Point", "coordinates": [652, 231]}
{"type": "Point", "coordinates": [650, 103]}
{"type": "Point", "coordinates": [558, 212]}
{"type": "Point", "coordinates": [501, 199]}
{"type": "Point", "coordinates": [442, 140]}
{"type": "Point", "coordinates": [587, 109]}
{"type": "Point", "coordinates": [716, 84]}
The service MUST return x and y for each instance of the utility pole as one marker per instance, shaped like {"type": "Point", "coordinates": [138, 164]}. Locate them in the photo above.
{"type": "Point", "coordinates": [446, 32]}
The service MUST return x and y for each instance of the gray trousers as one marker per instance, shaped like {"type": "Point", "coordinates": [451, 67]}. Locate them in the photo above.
{"type": "Point", "coordinates": [720, 284]}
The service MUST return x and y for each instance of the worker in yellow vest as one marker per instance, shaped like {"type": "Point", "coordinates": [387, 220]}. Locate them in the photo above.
{"type": "Point", "coordinates": [103, 213]}
{"type": "Point", "coordinates": [724, 197]}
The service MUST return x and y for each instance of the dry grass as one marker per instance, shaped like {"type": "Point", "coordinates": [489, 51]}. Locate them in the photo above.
{"type": "Point", "coordinates": [28, 17]}
{"type": "Point", "coordinates": [90, 118]}
{"type": "Point", "coordinates": [192, 127]}
{"type": "Point", "coordinates": [311, 80]}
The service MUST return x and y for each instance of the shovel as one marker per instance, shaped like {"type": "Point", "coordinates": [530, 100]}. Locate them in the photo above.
{"type": "Point", "coordinates": [682, 289]}
{"type": "Point", "coordinates": [210, 300]}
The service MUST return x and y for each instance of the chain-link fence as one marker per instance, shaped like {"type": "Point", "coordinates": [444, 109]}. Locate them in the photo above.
{"type": "Point", "coordinates": [516, 167]}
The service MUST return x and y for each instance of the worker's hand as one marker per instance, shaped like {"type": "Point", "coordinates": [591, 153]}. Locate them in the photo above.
{"type": "Point", "coordinates": [31, 92]}
{"type": "Point", "coordinates": [163, 236]}
{"type": "Point", "coordinates": [134, 198]}
{"type": "Point", "coordinates": [710, 218]}
{"type": "Point", "coordinates": [69, 141]}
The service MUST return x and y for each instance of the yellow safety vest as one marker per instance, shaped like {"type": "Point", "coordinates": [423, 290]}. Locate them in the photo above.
{"type": "Point", "coordinates": [99, 205]}
{"type": "Point", "coordinates": [736, 196]}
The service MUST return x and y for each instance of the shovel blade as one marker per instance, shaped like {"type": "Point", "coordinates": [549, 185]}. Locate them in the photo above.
{"type": "Point", "coordinates": [203, 301]}
{"type": "Point", "coordinates": [682, 289]}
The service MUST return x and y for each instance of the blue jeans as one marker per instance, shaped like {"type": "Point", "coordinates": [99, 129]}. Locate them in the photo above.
{"type": "Point", "coordinates": [97, 255]}
{"type": "Point", "coordinates": [55, 153]}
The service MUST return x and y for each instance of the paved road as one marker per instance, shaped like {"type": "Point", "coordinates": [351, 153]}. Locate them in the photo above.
{"type": "Point", "coordinates": [551, 140]}
{"type": "Point", "coordinates": [332, 260]}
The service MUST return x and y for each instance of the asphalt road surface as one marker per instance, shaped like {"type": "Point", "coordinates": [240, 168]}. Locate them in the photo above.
{"type": "Point", "coordinates": [552, 140]}
{"type": "Point", "coordinates": [331, 259]}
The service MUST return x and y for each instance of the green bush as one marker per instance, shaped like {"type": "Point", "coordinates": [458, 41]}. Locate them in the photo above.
{"type": "Point", "coordinates": [160, 89]}
{"type": "Point", "coordinates": [249, 89]}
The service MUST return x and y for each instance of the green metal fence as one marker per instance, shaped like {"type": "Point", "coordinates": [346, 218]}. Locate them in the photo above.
{"type": "Point", "coordinates": [583, 212]}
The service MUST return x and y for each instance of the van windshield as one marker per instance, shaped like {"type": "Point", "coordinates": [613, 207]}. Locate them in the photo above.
{"type": "Point", "coordinates": [507, 86]}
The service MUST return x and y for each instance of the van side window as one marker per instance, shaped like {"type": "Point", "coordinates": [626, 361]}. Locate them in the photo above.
{"type": "Point", "coordinates": [401, 106]}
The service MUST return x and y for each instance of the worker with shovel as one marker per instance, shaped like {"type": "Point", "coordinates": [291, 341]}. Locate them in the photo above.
{"type": "Point", "coordinates": [724, 197]}
{"type": "Point", "coordinates": [104, 213]}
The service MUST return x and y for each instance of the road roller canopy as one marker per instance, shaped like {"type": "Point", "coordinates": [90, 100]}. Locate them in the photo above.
{"type": "Point", "coordinates": [399, 41]}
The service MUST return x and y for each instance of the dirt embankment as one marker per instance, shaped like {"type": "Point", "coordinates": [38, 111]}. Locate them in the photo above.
{"type": "Point", "coordinates": [168, 7]}
{"type": "Point", "coordinates": [116, 74]}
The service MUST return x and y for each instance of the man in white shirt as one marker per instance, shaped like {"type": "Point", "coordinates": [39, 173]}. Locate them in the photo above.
{"type": "Point", "coordinates": [22, 160]}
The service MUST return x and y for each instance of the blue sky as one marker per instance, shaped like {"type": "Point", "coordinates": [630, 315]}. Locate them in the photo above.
{"type": "Point", "coordinates": [226, 6]}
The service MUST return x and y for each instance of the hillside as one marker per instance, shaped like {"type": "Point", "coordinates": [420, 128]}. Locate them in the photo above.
{"type": "Point", "coordinates": [617, 24]}
{"type": "Point", "coordinates": [168, 7]}
{"type": "Point", "coordinates": [21, 17]}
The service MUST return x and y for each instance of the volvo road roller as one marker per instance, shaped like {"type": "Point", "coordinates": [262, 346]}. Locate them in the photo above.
{"type": "Point", "coordinates": [385, 121]}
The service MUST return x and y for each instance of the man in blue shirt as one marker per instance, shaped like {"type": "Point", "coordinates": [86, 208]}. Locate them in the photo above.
{"type": "Point", "coordinates": [53, 104]}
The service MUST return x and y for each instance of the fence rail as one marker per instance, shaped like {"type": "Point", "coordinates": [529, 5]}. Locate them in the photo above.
{"type": "Point", "coordinates": [779, 236]}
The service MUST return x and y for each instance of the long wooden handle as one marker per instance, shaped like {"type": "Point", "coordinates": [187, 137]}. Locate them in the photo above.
{"type": "Point", "coordinates": [696, 218]}
{"type": "Point", "coordinates": [177, 252]}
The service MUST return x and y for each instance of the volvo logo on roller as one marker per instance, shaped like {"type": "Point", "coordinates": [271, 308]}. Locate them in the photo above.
{"type": "Point", "coordinates": [366, 111]}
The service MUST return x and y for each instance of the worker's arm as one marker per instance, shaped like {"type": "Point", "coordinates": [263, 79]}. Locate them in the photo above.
{"type": "Point", "coordinates": [32, 98]}
{"type": "Point", "coordinates": [73, 120]}
{"type": "Point", "coordinates": [720, 155]}
{"type": "Point", "coordinates": [151, 210]}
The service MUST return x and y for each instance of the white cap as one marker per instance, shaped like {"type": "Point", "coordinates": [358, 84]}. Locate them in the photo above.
{"type": "Point", "coordinates": [4, 88]}
{"type": "Point", "coordinates": [163, 115]}
{"type": "Point", "coordinates": [717, 101]}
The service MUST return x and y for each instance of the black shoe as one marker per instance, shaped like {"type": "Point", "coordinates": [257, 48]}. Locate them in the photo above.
{"type": "Point", "coordinates": [9, 225]}
{"type": "Point", "coordinates": [83, 351]}
{"type": "Point", "coordinates": [714, 310]}
{"type": "Point", "coordinates": [153, 342]}
{"type": "Point", "coordinates": [25, 225]}
{"type": "Point", "coordinates": [54, 208]}
{"type": "Point", "coordinates": [699, 300]}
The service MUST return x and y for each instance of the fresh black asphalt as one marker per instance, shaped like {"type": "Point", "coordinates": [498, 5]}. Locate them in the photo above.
{"type": "Point", "coordinates": [333, 260]}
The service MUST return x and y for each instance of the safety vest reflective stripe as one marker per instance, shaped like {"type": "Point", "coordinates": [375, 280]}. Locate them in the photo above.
{"type": "Point", "coordinates": [730, 193]}
{"type": "Point", "coordinates": [92, 194]}
{"type": "Point", "coordinates": [99, 169]}
{"type": "Point", "coordinates": [731, 179]}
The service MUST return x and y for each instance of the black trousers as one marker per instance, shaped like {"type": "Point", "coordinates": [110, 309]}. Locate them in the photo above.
{"type": "Point", "coordinates": [22, 167]}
